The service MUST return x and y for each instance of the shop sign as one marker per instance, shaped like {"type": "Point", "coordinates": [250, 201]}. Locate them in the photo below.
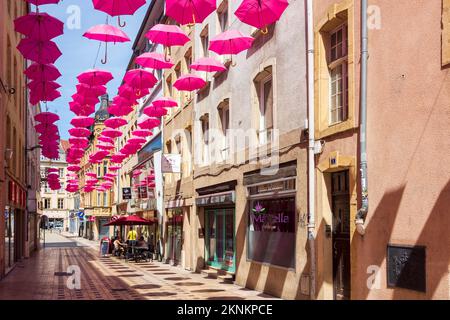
{"type": "Point", "coordinates": [126, 193]}
{"type": "Point", "coordinates": [273, 187]}
{"type": "Point", "coordinates": [406, 267]}
{"type": "Point", "coordinates": [171, 163]}
{"type": "Point", "coordinates": [143, 193]}
{"type": "Point", "coordinates": [224, 198]}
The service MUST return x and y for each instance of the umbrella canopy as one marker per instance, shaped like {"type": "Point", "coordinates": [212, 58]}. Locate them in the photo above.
{"type": "Point", "coordinates": [42, 2]}
{"type": "Point", "coordinates": [140, 79]}
{"type": "Point", "coordinates": [79, 142]}
{"type": "Point", "coordinates": [74, 168]}
{"type": "Point", "coordinates": [261, 13]}
{"type": "Point", "coordinates": [42, 88]}
{"type": "Point", "coordinates": [106, 33]}
{"type": "Point", "coordinates": [189, 82]}
{"type": "Point", "coordinates": [165, 103]}
{"type": "Point", "coordinates": [146, 122]}
{"type": "Point", "coordinates": [91, 91]}
{"type": "Point", "coordinates": [79, 132]}
{"type": "Point", "coordinates": [39, 51]}
{"type": "Point", "coordinates": [167, 35]}
{"type": "Point", "coordinates": [42, 72]}
{"type": "Point", "coordinates": [230, 42]}
{"type": "Point", "coordinates": [118, 157]}
{"type": "Point", "coordinates": [81, 110]}
{"type": "Point", "coordinates": [153, 111]}
{"type": "Point", "coordinates": [112, 133]}
{"type": "Point", "coordinates": [115, 122]}
{"type": "Point", "coordinates": [45, 128]}
{"type": "Point", "coordinates": [136, 141]}
{"type": "Point", "coordinates": [51, 95]}
{"type": "Point", "coordinates": [141, 133]}
{"type": "Point", "coordinates": [105, 146]}
{"type": "Point", "coordinates": [82, 121]}
{"type": "Point", "coordinates": [114, 168]}
{"type": "Point", "coordinates": [39, 26]}
{"type": "Point", "coordinates": [91, 174]}
{"type": "Point", "coordinates": [85, 100]}
{"type": "Point", "coordinates": [120, 111]}
{"type": "Point", "coordinates": [208, 65]}
{"type": "Point", "coordinates": [190, 11]}
{"type": "Point", "coordinates": [46, 117]}
{"type": "Point", "coordinates": [154, 60]}
{"type": "Point", "coordinates": [130, 221]}
{"type": "Point", "coordinates": [105, 139]}
{"type": "Point", "coordinates": [130, 94]}
{"type": "Point", "coordinates": [118, 7]}
{"type": "Point", "coordinates": [95, 77]}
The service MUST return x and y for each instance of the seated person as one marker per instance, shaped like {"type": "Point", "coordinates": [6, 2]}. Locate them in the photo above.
{"type": "Point", "coordinates": [118, 246]}
{"type": "Point", "coordinates": [141, 242]}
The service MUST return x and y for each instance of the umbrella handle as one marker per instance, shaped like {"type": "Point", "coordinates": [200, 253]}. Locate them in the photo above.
{"type": "Point", "coordinates": [233, 63]}
{"type": "Point", "coordinates": [265, 30]}
{"type": "Point", "coordinates": [190, 25]}
{"type": "Point", "coordinates": [121, 25]}
{"type": "Point", "coordinates": [167, 54]}
{"type": "Point", "coordinates": [104, 61]}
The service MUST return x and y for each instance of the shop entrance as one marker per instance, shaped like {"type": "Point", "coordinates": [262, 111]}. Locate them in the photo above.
{"type": "Point", "coordinates": [220, 248]}
{"type": "Point", "coordinates": [174, 236]}
{"type": "Point", "coordinates": [340, 197]}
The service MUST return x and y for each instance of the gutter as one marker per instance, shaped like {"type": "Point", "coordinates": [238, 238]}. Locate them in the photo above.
{"type": "Point", "coordinates": [362, 212]}
{"type": "Point", "coordinates": [311, 153]}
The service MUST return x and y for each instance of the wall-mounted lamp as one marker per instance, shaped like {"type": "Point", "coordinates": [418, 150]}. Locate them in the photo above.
{"type": "Point", "coordinates": [6, 88]}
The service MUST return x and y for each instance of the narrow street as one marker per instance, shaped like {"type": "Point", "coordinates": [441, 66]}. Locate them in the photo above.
{"type": "Point", "coordinates": [42, 277]}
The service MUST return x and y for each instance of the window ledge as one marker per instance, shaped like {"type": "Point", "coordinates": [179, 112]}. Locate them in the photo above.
{"type": "Point", "coordinates": [336, 128]}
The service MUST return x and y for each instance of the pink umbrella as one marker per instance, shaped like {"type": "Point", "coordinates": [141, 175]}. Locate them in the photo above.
{"type": "Point", "coordinates": [208, 65]}
{"type": "Point", "coordinates": [42, 72]}
{"type": "Point", "coordinates": [42, 2]}
{"type": "Point", "coordinates": [39, 51]}
{"type": "Point", "coordinates": [45, 128]}
{"type": "Point", "coordinates": [136, 141]}
{"type": "Point", "coordinates": [91, 174]}
{"type": "Point", "coordinates": [137, 173]}
{"type": "Point", "coordinates": [79, 142]}
{"type": "Point", "coordinates": [95, 77]}
{"type": "Point", "coordinates": [120, 111]}
{"type": "Point", "coordinates": [83, 100]}
{"type": "Point", "coordinates": [92, 91]}
{"type": "Point", "coordinates": [82, 121]}
{"type": "Point", "coordinates": [111, 175]}
{"type": "Point", "coordinates": [140, 79]}
{"type": "Point", "coordinates": [81, 110]}
{"type": "Point", "coordinates": [118, 157]}
{"type": "Point", "coordinates": [128, 93]}
{"type": "Point", "coordinates": [42, 87]}
{"type": "Point", "coordinates": [141, 133]}
{"type": "Point", "coordinates": [39, 26]}
{"type": "Point", "coordinates": [146, 122]}
{"type": "Point", "coordinates": [115, 122]}
{"type": "Point", "coordinates": [114, 168]}
{"type": "Point", "coordinates": [261, 13]}
{"type": "Point", "coordinates": [79, 132]}
{"type": "Point", "coordinates": [112, 133]}
{"type": "Point", "coordinates": [46, 117]}
{"type": "Point", "coordinates": [152, 111]}
{"type": "Point", "coordinates": [189, 82]}
{"type": "Point", "coordinates": [190, 11]}
{"type": "Point", "coordinates": [105, 139]}
{"type": "Point", "coordinates": [154, 60]}
{"type": "Point", "coordinates": [230, 42]}
{"type": "Point", "coordinates": [105, 147]}
{"type": "Point", "coordinates": [167, 35]}
{"type": "Point", "coordinates": [74, 168]}
{"type": "Point", "coordinates": [165, 103]}
{"type": "Point", "coordinates": [106, 33]}
{"type": "Point", "coordinates": [118, 7]}
{"type": "Point", "coordinates": [46, 96]}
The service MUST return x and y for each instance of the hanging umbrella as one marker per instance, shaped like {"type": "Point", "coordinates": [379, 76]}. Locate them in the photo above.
{"type": "Point", "coordinates": [105, 147]}
{"type": "Point", "coordinates": [42, 72]}
{"type": "Point", "coordinates": [85, 100]}
{"type": "Point", "coordinates": [167, 35]}
{"type": "Point", "coordinates": [140, 79]}
{"type": "Point", "coordinates": [81, 110]}
{"type": "Point", "coordinates": [43, 52]}
{"type": "Point", "coordinates": [137, 141]}
{"type": "Point", "coordinates": [46, 117]}
{"type": "Point", "coordinates": [45, 128]}
{"type": "Point", "coordinates": [208, 65]}
{"type": "Point", "coordinates": [79, 132]}
{"type": "Point", "coordinates": [91, 91]}
{"type": "Point", "coordinates": [74, 168]}
{"type": "Point", "coordinates": [114, 168]}
{"type": "Point", "coordinates": [165, 103]}
{"type": "Point", "coordinates": [95, 77]}
{"type": "Point", "coordinates": [154, 60]}
{"type": "Point", "coordinates": [91, 174]}
{"type": "Point", "coordinates": [230, 42]}
{"type": "Point", "coordinates": [106, 33]}
{"type": "Point", "coordinates": [120, 111]}
{"type": "Point", "coordinates": [118, 157]}
{"type": "Point", "coordinates": [117, 8]}
{"type": "Point", "coordinates": [82, 121]}
{"type": "Point", "coordinates": [261, 13]}
{"type": "Point", "coordinates": [115, 122]}
{"type": "Point", "coordinates": [146, 122]}
{"type": "Point", "coordinates": [42, 87]}
{"type": "Point", "coordinates": [47, 96]}
{"type": "Point", "coordinates": [79, 142]}
{"type": "Point", "coordinates": [105, 139]}
{"type": "Point", "coordinates": [112, 133]}
{"type": "Point", "coordinates": [153, 111]}
{"type": "Point", "coordinates": [141, 133]}
{"type": "Point", "coordinates": [39, 26]}
{"type": "Point", "coordinates": [189, 82]}
{"type": "Point", "coordinates": [190, 11]}
{"type": "Point", "coordinates": [130, 94]}
{"type": "Point", "coordinates": [42, 2]}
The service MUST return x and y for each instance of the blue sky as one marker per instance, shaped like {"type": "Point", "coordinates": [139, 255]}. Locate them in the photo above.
{"type": "Point", "coordinates": [79, 53]}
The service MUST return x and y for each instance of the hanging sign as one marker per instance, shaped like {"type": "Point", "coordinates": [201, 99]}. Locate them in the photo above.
{"type": "Point", "coordinates": [171, 163]}
{"type": "Point", "coordinates": [126, 194]}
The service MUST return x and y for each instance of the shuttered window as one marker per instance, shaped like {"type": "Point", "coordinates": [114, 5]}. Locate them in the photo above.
{"type": "Point", "coordinates": [445, 33]}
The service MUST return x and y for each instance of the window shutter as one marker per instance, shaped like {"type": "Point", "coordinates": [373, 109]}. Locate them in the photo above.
{"type": "Point", "coordinates": [445, 32]}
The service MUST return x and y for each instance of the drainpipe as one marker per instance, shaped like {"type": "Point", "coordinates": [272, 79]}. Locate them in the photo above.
{"type": "Point", "coordinates": [362, 212]}
{"type": "Point", "coordinates": [311, 158]}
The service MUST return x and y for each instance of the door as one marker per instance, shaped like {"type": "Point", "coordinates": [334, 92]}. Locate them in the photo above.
{"type": "Point", "coordinates": [103, 231]}
{"type": "Point", "coordinates": [220, 250]}
{"type": "Point", "coordinates": [340, 196]}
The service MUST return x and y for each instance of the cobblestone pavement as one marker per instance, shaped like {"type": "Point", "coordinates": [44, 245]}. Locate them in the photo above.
{"type": "Point", "coordinates": [43, 277]}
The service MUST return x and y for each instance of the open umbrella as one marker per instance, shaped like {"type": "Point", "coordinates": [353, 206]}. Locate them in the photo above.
{"type": "Point", "coordinates": [140, 79]}
{"type": "Point", "coordinates": [189, 82]}
{"type": "Point", "coordinates": [105, 147]}
{"type": "Point", "coordinates": [130, 221]}
{"type": "Point", "coordinates": [190, 11]}
{"type": "Point", "coordinates": [146, 122]}
{"type": "Point", "coordinates": [117, 8]}
{"type": "Point", "coordinates": [79, 132]}
{"type": "Point", "coordinates": [167, 35]}
{"type": "Point", "coordinates": [42, 2]}
{"type": "Point", "coordinates": [261, 13]}
{"type": "Point", "coordinates": [154, 60]}
{"type": "Point", "coordinates": [165, 103]}
{"type": "Point", "coordinates": [115, 122]}
{"type": "Point", "coordinates": [49, 95]}
{"type": "Point", "coordinates": [119, 111]}
{"type": "Point", "coordinates": [112, 133]}
{"type": "Point", "coordinates": [39, 51]}
{"type": "Point", "coordinates": [129, 93]}
{"type": "Point", "coordinates": [105, 139]}
{"type": "Point", "coordinates": [106, 33]}
{"type": "Point", "coordinates": [137, 141]}
{"type": "Point", "coordinates": [95, 77]}
{"type": "Point", "coordinates": [79, 142]}
{"type": "Point", "coordinates": [46, 117]}
{"type": "Point", "coordinates": [92, 91]}
{"type": "Point", "coordinates": [141, 133]}
{"type": "Point", "coordinates": [81, 110]}
{"type": "Point", "coordinates": [82, 121]}
{"type": "Point", "coordinates": [85, 100]}
{"type": "Point", "coordinates": [153, 111]}
{"type": "Point", "coordinates": [39, 26]}
{"type": "Point", "coordinates": [208, 65]}
{"type": "Point", "coordinates": [74, 168]}
{"type": "Point", "coordinates": [42, 72]}
{"type": "Point", "coordinates": [42, 87]}
{"type": "Point", "coordinates": [230, 42]}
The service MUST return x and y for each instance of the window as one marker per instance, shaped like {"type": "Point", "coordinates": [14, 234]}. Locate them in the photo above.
{"type": "Point", "coordinates": [61, 172]}
{"type": "Point", "coordinates": [224, 123]}
{"type": "Point", "coordinates": [338, 75]}
{"type": "Point", "coordinates": [105, 167]}
{"type": "Point", "coordinates": [46, 203]}
{"type": "Point", "coordinates": [205, 138]}
{"type": "Point", "coordinates": [445, 41]}
{"type": "Point", "coordinates": [222, 14]}
{"type": "Point", "coordinates": [99, 170]}
{"type": "Point", "coordinates": [204, 41]}
{"type": "Point", "coordinates": [99, 199]}
{"type": "Point", "coordinates": [60, 203]}
{"type": "Point", "coordinates": [180, 93]}
{"type": "Point", "coordinates": [264, 86]}
{"type": "Point", "coordinates": [178, 143]}
{"type": "Point", "coordinates": [105, 199]}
